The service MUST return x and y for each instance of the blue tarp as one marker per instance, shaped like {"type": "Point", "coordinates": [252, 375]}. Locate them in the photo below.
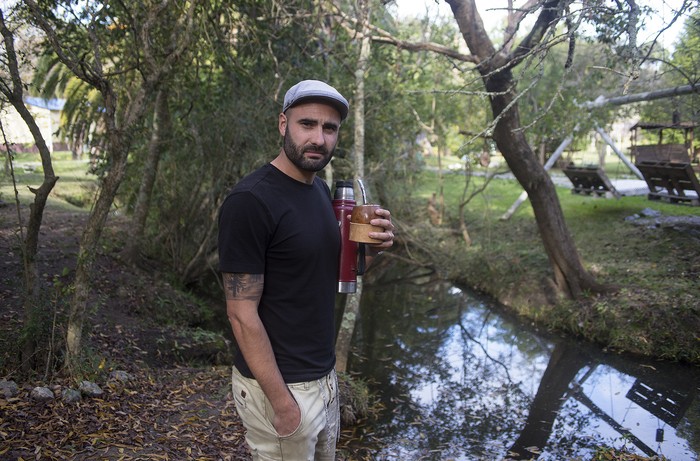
{"type": "Point", "coordinates": [50, 104]}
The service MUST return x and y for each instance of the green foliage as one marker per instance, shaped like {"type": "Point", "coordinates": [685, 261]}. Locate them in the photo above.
{"type": "Point", "coordinates": [685, 60]}
{"type": "Point", "coordinates": [613, 20]}
{"type": "Point", "coordinates": [356, 401]}
{"type": "Point", "coordinates": [224, 109]}
{"type": "Point", "coordinates": [416, 96]}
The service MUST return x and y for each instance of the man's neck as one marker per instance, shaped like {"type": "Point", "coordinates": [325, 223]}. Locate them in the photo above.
{"type": "Point", "coordinates": [282, 163]}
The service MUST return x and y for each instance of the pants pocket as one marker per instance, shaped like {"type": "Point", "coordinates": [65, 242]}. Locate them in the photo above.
{"type": "Point", "coordinates": [251, 403]}
{"type": "Point", "coordinates": [299, 427]}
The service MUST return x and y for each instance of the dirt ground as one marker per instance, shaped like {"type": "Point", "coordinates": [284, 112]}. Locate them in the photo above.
{"type": "Point", "coordinates": [168, 410]}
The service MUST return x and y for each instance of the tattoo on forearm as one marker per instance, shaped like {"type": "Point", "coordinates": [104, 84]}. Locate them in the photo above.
{"type": "Point", "coordinates": [243, 286]}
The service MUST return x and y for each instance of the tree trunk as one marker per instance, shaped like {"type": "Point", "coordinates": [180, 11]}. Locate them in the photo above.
{"type": "Point", "coordinates": [161, 119]}
{"type": "Point", "coordinates": [118, 142]}
{"type": "Point", "coordinates": [569, 276]}
{"type": "Point", "coordinates": [347, 328]}
{"type": "Point", "coordinates": [118, 147]}
{"type": "Point", "coordinates": [352, 301]}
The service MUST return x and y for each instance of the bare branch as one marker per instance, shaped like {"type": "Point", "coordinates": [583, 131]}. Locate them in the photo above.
{"type": "Point", "coordinates": [681, 11]}
{"type": "Point", "coordinates": [638, 97]}
{"type": "Point", "coordinates": [14, 91]}
{"type": "Point", "coordinates": [381, 36]}
{"type": "Point", "coordinates": [148, 24]}
{"type": "Point", "coordinates": [425, 46]}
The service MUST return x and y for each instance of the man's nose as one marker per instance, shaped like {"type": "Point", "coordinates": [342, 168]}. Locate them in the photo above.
{"type": "Point", "coordinates": [317, 137]}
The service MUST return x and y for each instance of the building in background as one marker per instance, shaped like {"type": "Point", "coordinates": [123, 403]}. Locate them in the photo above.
{"type": "Point", "coordinates": [46, 113]}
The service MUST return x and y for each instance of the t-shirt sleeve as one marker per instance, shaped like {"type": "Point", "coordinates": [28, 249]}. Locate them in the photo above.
{"type": "Point", "coordinates": [244, 230]}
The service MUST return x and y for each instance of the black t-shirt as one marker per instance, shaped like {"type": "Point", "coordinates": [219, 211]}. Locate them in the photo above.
{"type": "Point", "coordinates": [274, 225]}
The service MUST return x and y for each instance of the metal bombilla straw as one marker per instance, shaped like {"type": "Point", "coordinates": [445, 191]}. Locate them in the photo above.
{"type": "Point", "coordinates": [363, 191]}
{"type": "Point", "coordinates": [361, 262]}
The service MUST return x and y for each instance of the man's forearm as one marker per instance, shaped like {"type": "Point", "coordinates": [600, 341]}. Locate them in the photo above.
{"type": "Point", "coordinates": [243, 293]}
{"type": "Point", "coordinates": [255, 346]}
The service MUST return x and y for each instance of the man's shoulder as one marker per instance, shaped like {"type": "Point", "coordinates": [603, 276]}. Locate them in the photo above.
{"type": "Point", "coordinates": [252, 180]}
{"type": "Point", "coordinates": [247, 190]}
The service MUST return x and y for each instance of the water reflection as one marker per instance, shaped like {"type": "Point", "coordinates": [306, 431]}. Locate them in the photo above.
{"type": "Point", "coordinates": [461, 381]}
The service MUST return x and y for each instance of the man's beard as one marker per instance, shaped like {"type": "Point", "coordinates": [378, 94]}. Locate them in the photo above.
{"type": "Point", "coordinates": [295, 154]}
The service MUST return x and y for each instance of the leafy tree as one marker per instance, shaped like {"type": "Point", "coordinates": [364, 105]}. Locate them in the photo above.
{"type": "Point", "coordinates": [497, 66]}
{"type": "Point", "coordinates": [111, 48]}
{"type": "Point", "coordinates": [12, 90]}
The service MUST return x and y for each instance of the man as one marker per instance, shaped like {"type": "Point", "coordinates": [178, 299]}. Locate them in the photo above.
{"type": "Point", "coordinates": [279, 246]}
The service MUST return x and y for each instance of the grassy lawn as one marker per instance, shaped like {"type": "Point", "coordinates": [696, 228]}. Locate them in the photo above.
{"type": "Point", "coordinates": [74, 190]}
{"type": "Point", "coordinates": [613, 166]}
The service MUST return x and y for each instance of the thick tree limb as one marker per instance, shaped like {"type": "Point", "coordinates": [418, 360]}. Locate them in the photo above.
{"type": "Point", "coordinates": [548, 18]}
{"type": "Point", "coordinates": [638, 97]}
{"type": "Point", "coordinates": [515, 17]}
{"type": "Point", "coordinates": [478, 41]}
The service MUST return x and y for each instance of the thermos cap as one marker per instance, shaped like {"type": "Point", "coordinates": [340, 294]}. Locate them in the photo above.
{"type": "Point", "coordinates": [344, 191]}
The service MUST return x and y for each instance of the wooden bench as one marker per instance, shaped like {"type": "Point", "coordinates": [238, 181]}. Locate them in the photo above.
{"type": "Point", "coordinates": [660, 153]}
{"type": "Point", "coordinates": [670, 181]}
{"type": "Point", "coordinates": [590, 180]}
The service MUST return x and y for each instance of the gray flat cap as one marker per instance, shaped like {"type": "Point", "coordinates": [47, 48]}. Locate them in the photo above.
{"type": "Point", "coordinates": [308, 90]}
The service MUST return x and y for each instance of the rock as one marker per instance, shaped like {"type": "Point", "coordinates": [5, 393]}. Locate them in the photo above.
{"type": "Point", "coordinates": [41, 394]}
{"type": "Point", "coordinates": [8, 389]}
{"type": "Point", "coordinates": [90, 389]}
{"type": "Point", "coordinates": [71, 396]}
{"type": "Point", "coordinates": [650, 213]}
{"type": "Point", "coordinates": [120, 376]}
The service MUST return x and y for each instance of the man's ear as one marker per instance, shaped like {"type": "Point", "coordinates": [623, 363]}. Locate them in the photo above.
{"type": "Point", "coordinates": [282, 123]}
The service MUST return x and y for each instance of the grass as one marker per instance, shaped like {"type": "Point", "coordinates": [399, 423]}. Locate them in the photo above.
{"type": "Point", "coordinates": [655, 308]}
{"type": "Point", "coordinates": [613, 166]}
{"type": "Point", "coordinates": [75, 188]}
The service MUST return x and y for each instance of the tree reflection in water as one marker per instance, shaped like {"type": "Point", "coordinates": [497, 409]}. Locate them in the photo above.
{"type": "Point", "coordinates": [461, 380]}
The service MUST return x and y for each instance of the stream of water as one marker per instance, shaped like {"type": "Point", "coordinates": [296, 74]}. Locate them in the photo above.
{"type": "Point", "coordinates": [460, 379]}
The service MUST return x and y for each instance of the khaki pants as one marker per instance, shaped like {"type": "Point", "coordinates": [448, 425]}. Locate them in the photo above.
{"type": "Point", "coordinates": [313, 440]}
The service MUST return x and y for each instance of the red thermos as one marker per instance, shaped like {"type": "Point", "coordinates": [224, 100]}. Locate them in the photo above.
{"type": "Point", "coordinates": [343, 202]}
